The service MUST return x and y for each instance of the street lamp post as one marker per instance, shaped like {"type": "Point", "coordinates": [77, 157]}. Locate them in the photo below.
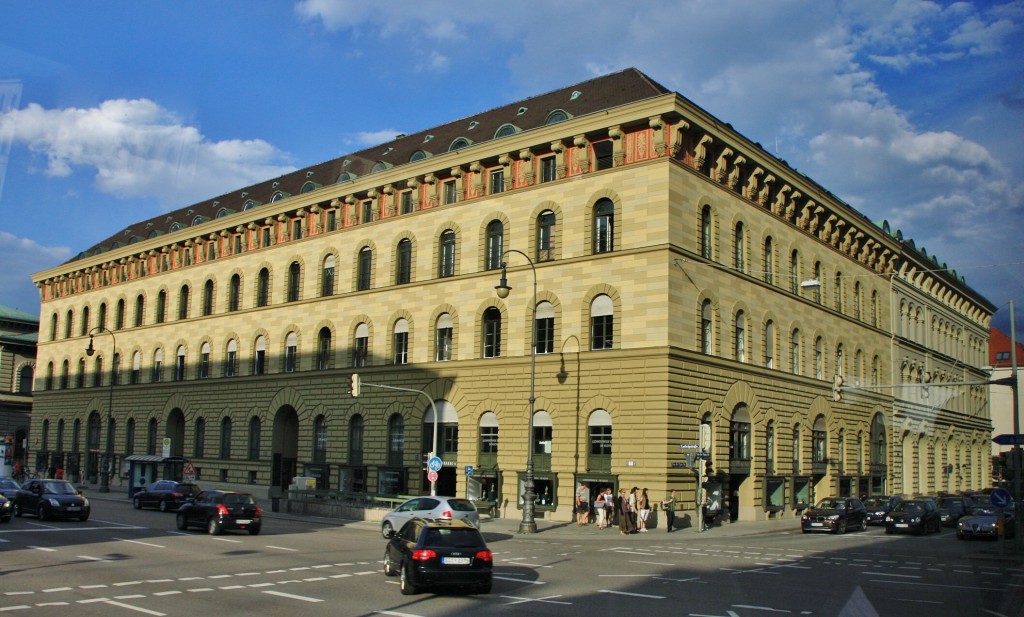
{"type": "Point", "coordinates": [108, 454]}
{"type": "Point", "coordinates": [528, 524]}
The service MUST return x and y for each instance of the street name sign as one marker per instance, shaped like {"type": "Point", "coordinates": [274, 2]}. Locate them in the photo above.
{"type": "Point", "coordinates": [1009, 439]}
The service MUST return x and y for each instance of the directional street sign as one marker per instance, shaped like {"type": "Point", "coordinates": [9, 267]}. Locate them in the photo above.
{"type": "Point", "coordinates": [1000, 498]}
{"type": "Point", "coordinates": [689, 446]}
{"type": "Point", "coordinates": [469, 470]}
{"type": "Point", "coordinates": [1009, 439]}
{"type": "Point", "coordinates": [434, 464]}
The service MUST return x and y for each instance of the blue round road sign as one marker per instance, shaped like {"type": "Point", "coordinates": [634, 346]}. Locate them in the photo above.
{"type": "Point", "coordinates": [434, 464]}
{"type": "Point", "coordinates": [1001, 498]}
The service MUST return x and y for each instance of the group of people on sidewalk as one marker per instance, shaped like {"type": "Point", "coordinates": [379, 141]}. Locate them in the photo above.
{"type": "Point", "coordinates": [629, 511]}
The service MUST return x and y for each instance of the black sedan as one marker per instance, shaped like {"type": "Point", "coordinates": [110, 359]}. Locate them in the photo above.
{"type": "Point", "coordinates": [920, 516]}
{"type": "Point", "coordinates": [218, 511]}
{"type": "Point", "coordinates": [986, 522]}
{"type": "Point", "coordinates": [167, 495]}
{"type": "Point", "coordinates": [6, 509]}
{"type": "Point", "coordinates": [439, 553]}
{"type": "Point", "coordinates": [9, 487]}
{"type": "Point", "coordinates": [952, 508]}
{"type": "Point", "coordinates": [835, 515]}
{"type": "Point", "coordinates": [51, 499]}
{"type": "Point", "coordinates": [879, 507]}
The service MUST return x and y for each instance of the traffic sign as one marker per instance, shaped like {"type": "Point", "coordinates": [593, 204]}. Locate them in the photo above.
{"type": "Point", "coordinates": [432, 476]}
{"type": "Point", "coordinates": [469, 471]}
{"type": "Point", "coordinates": [188, 472]}
{"type": "Point", "coordinates": [689, 446]}
{"type": "Point", "coordinates": [1000, 498]}
{"type": "Point", "coordinates": [680, 465]}
{"type": "Point", "coordinates": [434, 464]}
{"type": "Point", "coordinates": [1009, 439]}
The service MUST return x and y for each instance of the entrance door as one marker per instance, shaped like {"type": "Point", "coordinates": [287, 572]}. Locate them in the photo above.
{"type": "Point", "coordinates": [285, 446]}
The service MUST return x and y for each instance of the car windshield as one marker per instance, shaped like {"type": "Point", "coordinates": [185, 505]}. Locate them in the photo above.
{"type": "Point", "coordinates": [984, 511]}
{"type": "Point", "coordinates": [238, 499]}
{"type": "Point", "coordinates": [875, 502]}
{"type": "Point", "coordinates": [59, 488]}
{"type": "Point", "coordinates": [8, 483]}
{"type": "Point", "coordinates": [912, 506]}
{"type": "Point", "coordinates": [828, 504]}
{"type": "Point", "coordinates": [453, 538]}
{"type": "Point", "coordinates": [950, 503]}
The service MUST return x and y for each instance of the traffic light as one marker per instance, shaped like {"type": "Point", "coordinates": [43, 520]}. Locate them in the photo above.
{"type": "Point", "coordinates": [837, 388]}
{"type": "Point", "coordinates": [925, 380]}
{"type": "Point", "coordinates": [708, 470]}
{"type": "Point", "coordinates": [356, 384]}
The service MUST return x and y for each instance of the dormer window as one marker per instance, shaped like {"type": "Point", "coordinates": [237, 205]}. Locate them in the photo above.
{"type": "Point", "coordinates": [419, 155]}
{"type": "Point", "coordinates": [557, 115]}
{"type": "Point", "coordinates": [505, 130]}
{"type": "Point", "coordinates": [459, 144]}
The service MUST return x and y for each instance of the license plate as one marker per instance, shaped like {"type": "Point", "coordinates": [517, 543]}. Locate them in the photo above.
{"type": "Point", "coordinates": [243, 521]}
{"type": "Point", "coordinates": [902, 525]}
{"type": "Point", "coordinates": [455, 561]}
{"type": "Point", "coordinates": [817, 524]}
{"type": "Point", "coordinates": [73, 509]}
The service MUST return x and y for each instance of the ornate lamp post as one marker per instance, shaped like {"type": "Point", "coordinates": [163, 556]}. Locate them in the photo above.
{"type": "Point", "coordinates": [528, 524]}
{"type": "Point", "coordinates": [108, 454]}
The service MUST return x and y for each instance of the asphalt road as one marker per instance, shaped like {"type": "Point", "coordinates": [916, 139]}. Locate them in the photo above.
{"type": "Point", "coordinates": [128, 562]}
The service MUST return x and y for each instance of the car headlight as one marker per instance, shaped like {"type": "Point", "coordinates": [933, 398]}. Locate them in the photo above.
{"type": "Point", "coordinates": [85, 502]}
{"type": "Point", "coordinates": [54, 502]}
{"type": "Point", "coordinates": [834, 517]}
{"type": "Point", "coordinates": [916, 520]}
{"type": "Point", "coordinates": [888, 519]}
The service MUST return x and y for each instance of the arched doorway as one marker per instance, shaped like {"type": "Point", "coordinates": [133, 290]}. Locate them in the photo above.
{"type": "Point", "coordinates": [285, 449]}
{"type": "Point", "coordinates": [176, 432]}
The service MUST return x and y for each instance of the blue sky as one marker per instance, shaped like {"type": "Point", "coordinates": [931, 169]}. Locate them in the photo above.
{"type": "Point", "coordinates": [112, 112]}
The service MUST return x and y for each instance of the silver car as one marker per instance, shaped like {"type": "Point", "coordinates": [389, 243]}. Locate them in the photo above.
{"type": "Point", "coordinates": [444, 508]}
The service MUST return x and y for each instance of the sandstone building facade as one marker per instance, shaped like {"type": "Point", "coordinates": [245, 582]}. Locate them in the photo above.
{"type": "Point", "coordinates": [690, 289]}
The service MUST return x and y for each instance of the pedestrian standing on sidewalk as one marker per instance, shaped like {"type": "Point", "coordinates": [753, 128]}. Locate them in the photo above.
{"type": "Point", "coordinates": [599, 510]}
{"type": "Point", "coordinates": [582, 505]}
{"type": "Point", "coordinates": [643, 507]}
{"type": "Point", "coordinates": [622, 508]}
{"type": "Point", "coordinates": [668, 504]}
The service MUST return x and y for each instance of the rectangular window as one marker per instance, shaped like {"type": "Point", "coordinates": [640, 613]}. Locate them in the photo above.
{"type": "Point", "coordinates": [450, 194]}
{"type": "Point", "coordinates": [290, 358]}
{"type": "Point", "coordinates": [740, 443]}
{"type": "Point", "coordinates": [819, 451]}
{"type": "Point", "coordinates": [497, 181]}
{"type": "Point", "coordinates": [332, 220]}
{"type": "Point", "coordinates": [603, 153]}
{"type": "Point", "coordinates": [401, 347]}
{"type": "Point", "coordinates": [204, 365]}
{"type": "Point", "coordinates": [265, 237]}
{"type": "Point", "coordinates": [545, 335]}
{"type": "Point", "coordinates": [547, 169]}
{"type": "Point", "coordinates": [444, 344]}
{"type": "Point", "coordinates": [601, 332]}
{"type": "Point", "coordinates": [601, 440]}
{"type": "Point", "coordinates": [238, 244]}
{"type": "Point", "coordinates": [367, 211]}
{"type": "Point", "coordinates": [157, 370]}
{"type": "Point", "coordinates": [492, 338]}
{"type": "Point", "coordinates": [297, 229]}
{"type": "Point", "coordinates": [259, 362]}
{"type": "Point", "coordinates": [360, 352]}
{"type": "Point", "coordinates": [231, 364]}
{"type": "Point", "coordinates": [488, 440]}
{"type": "Point", "coordinates": [450, 438]}
{"type": "Point", "coordinates": [406, 202]}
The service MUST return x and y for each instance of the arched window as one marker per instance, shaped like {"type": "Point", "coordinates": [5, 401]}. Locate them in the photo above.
{"type": "Point", "coordinates": [361, 348]}
{"type": "Point", "coordinates": [231, 359]}
{"type": "Point", "coordinates": [291, 353]}
{"type": "Point", "coordinates": [739, 434]}
{"type": "Point", "coordinates": [208, 297]}
{"type": "Point", "coordinates": [706, 237]}
{"type": "Point", "coordinates": [740, 338]}
{"type": "Point", "coordinates": [323, 349]}
{"type": "Point", "coordinates": [794, 272]}
{"type": "Point", "coordinates": [400, 342]}
{"type": "Point", "coordinates": [492, 333]}
{"type": "Point", "coordinates": [183, 302]}
{"type": "Point", "coordinates": [327, 280]}
{"type": "Point", "coordinates": [259, 357]}
{"type": "Point", "coordinates": [545, 236]}
{"type": "Point", "coordinates": [602, 322]}
{"type": "Point", "coordinates": [505, 130]}
{"type": "Point", "coordinates": [739, 249]}
{"type": "Point", "coordinates": [769, 447]}
{"type": "Point", "coordinates": [355, 440]}
{"type": "Point", "coordinates": [294, 281]}
{"type": "Point", "coordinates": [819, 442]}
{"type": "Point", "coordinates": [365, 268]}
{"type": "Point", "coordinates": [878, 455]}
{"type": "Point", "coordinates": [320, 439]}
{"type": "Point", "coordinates": [458, 144]}
{"type": "Point", "coordinates": [140, 308]}
{"type": "Point", "coordinates": [225, 438]}
{"type": "Point", "coordinates": [857, 300]}
{"type": "Point", "coordinates": [85, 321]}
{"type": "Point", "coordinates": [179, 364]}
{"type": "Point", "coordinates": [817, 277]}
{"type": "Point", "coordinates": [161, 306]}
{"type": "Point", "coordinates": [495, 244]}
{"type": "Point", "coordinates": [706, 329]}
{"type": "Point", "coordinates": [599, 429]}
{"type": "Point", "coordinates": [234, 292]}
{"type": "Point", "coordinates": [263, 287]}
{"type": "Point", "coordinates": [255, 430]}
{"type": "Point", "coordinates": [545, 328]}
{"type": "Point", "coordinates": [556, 116]}
{"type": "Point", "coordinates": [839, 291]}
{"type": "Point", "coordinates": [119, 315]}
{"type": "Point", "coordinates": [840, 363]}
{"type": "Point", "coordinates": [794, 351]}
{"type": "Point", "coordinates": [443, 338]}
{"type": "Point", "coordinates": [158, 366]}
{"type": "Point", "coordinates": [446, 256]}
{"type": "Point", "coordinates": [204, 361]}
{"type": "Point", "coordinates": [136, 367]}
{"type": "Point", "coordinates": [604, 226]}
{"type": "Point", "coordinates": [403, 262]}
{"type": "Point", "coordinates": [819, 358]}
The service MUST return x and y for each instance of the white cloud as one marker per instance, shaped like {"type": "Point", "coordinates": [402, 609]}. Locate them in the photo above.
{"type": "Point", "coordinates": [19, 257]}
{"type": "Point", "coordinates": [366, 139]}
{"type": "Point", "coordinates": [139, 149]}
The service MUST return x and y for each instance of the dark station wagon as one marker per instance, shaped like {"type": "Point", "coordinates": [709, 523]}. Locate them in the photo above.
{"type": "Point", "coordinates": [218, 511]}
{"type": "Point", "coordinates": [447, 553]}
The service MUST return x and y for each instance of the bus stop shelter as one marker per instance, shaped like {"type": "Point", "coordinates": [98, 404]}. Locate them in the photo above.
{"type": "Point", "coordinates": [144, 469]}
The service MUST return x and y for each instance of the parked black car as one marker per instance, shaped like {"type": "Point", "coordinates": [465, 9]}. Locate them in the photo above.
{"type": "Point", "coordinates": [879, 507]}
{"type": "Point", "coordinates": [439, 553]}
{"type": "Point", "coordinates": [835, 515]}
{"type": "Point", "coordinates": [6, 509]}
{"type": "Point", "coordinates": [951, 508]}
{"type": "Point", "coordinates": [167, 495]}
{"type": "Point", "coordinates": [51, 499]}
{"type": "Point", "coordinates": [217, 511]}
{"type": "Point", "coordinates": [920, 516]}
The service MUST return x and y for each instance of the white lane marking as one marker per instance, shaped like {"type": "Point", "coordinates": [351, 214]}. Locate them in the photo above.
{"type": "Point", "coordinates": [633, 595]}
{"type": "Point", "coordinates": [545, 600]}
{"type": "Point", "coordinates": [519, 580]}
{"type": "Point", "coordinates": [136, 608]}
{"type": "Point", "coordinates": [142, 543]}
{"type": "Point", "coordinates": [284, 548]}
{"type": "Point", "coordinates": [45, 549]}
{"type": "Point", "coordinates": [293, 596]}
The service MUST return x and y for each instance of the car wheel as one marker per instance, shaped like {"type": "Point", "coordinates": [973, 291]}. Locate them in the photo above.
{"type": "Point", "coordinates": [389, 567]}
{"type": "Point", "coordinates": [254, 530]}
{"type": "Point", "coordinates": [213, 526]}
{"type": "Point", "coordinates": [163, 505]}
{"type": "Point", "coordinates": [841, 527]}
{"type": "Point", "coordinates": [863, 524]}
{"type": "Point", "coordinates": [43, 513]}
{"type": "Point", "coordinates": [182, 522]}
{"type": "Point", "coordinates": [83, 518]}
{"type": "Point", "coordinates": [137, 502]}
{"type": "Point", "coordinates": [408, 588]}
{"type": "Point", "coordinates": [386, 530]}
{"type": "Point", "coordinates": [17, 511]}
